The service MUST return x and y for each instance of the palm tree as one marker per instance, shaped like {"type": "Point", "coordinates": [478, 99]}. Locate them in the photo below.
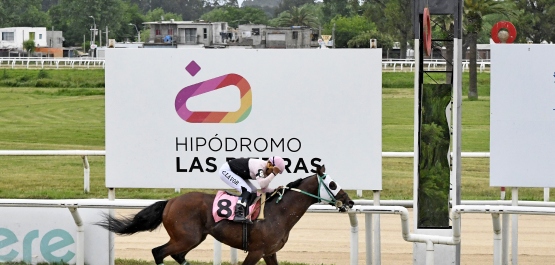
{"type": "Point", "coordinates": [474, 11]}
{"type": "Point", "coordinates": [298, 16]}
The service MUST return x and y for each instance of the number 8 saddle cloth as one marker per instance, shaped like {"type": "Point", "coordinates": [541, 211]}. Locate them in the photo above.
{"type": "Point", "coordinates": [223, 207]}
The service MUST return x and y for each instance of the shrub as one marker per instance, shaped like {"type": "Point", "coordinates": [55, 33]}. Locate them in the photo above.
{"type": "Point", "coordinates": [24, 78]}
{"type": "Point", "coordinates": [48, 83]}
{"type": "Point", "coordinates": [43, 74]}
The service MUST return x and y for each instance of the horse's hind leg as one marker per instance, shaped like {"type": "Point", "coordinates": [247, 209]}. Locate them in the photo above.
{"type": "Point", "coordinates": [177, 249]}
{"type": "Point", "coordinates": [252, 258]}
{"type": "Point", "coordinates": [179, 258]}
{"type": "Point", "coordinates": [271, 259]}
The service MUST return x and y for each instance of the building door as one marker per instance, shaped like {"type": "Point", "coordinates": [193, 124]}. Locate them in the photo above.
{"type": "Point", "coordinates": [188, 36]}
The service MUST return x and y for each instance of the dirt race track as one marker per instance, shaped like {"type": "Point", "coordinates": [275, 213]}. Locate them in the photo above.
{"type": "Point", "coordinates": [325, 239]}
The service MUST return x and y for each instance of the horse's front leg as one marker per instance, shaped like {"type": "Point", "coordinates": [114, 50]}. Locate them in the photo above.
{"type": "Point", "coordinates": [271, 259]}
{"type": "Point", "coordinates": [253, 257]}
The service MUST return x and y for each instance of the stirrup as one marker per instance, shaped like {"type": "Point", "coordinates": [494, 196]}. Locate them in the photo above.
{"type": "Point", "coordinates": [241, 214]}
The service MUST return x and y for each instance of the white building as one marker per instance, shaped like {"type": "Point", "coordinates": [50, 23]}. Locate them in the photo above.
{"type": "Point", "coordinates": [186, 34]}
{"type": "Point", "coordinates": [13, 38]}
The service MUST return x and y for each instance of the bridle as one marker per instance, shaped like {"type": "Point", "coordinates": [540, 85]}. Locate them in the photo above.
{"type": "Point", "coordinates": [324, 192]}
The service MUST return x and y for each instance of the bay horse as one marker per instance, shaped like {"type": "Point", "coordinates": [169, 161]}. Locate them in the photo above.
{"type": "Point", "coordinates": [188, 220]}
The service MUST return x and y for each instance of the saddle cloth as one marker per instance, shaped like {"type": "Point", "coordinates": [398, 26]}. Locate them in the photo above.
{"type": "Point", "coordinates": [223, 207]}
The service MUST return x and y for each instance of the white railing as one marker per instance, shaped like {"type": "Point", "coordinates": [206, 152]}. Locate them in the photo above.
{"type": "Point", "coordinates": [395, 65]}
{"type": "Point", "coordinates": [500, 253]}
{"type": "Point", "coordinates": [52, 62]}
{"type": "Point", "coordinates": [407, 65]}
{"type": "Point", "coordinates": [86, 168]}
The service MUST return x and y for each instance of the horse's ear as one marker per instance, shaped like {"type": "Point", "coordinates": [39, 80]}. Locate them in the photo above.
{"type": "Point", "coordinates": [320, 169]}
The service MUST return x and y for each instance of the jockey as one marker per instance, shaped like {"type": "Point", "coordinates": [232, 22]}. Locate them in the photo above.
{"type": "Point", "coordinates": [238, 172]}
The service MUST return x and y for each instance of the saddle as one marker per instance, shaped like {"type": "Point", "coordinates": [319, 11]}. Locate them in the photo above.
{"type": "Point", "coordinates": [223, 207]}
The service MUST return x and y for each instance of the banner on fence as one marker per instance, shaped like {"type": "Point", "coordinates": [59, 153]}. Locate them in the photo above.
{"type": "Point", "coordinates": [174, 116]}
{"type": "Point", "coordinates": [522, 115]}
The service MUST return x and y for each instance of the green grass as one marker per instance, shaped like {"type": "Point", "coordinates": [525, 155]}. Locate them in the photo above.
{"type": "Point", "coordinates": [66, 78]}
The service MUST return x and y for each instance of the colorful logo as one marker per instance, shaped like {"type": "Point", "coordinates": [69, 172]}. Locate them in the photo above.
{"type": "Point", "coordinates": [210, 85]}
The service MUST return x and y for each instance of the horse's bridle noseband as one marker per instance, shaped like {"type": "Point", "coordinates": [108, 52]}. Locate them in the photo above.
{"type": "Point", "coordinates": [332, 201]}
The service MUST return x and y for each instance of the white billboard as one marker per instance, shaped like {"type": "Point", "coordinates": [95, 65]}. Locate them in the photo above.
{"type": "Point", "coordinates": [522, 115]}
{"type": "Point", "coordinates": [312, 107]}
{"type": "Point", "coordinates": [38, 235]}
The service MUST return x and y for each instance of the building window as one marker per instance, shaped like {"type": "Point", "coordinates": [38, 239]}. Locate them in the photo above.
{"type": "Point", "coordinates": [255, 31]}
{"type": "Point", "coordinates": [295, 35]}
{"type": "Point", "coordinates": [205, 33]}
{"type": "Point", "coordinates": [158, 32]}
{"type": "Point", "coordinates": [190, 36]}
{"type": "Point", "coordinates": [31, 35]}
{"type": "Point", "coordinates": [40, 36]}
{"type": "Point", "coordinates": [170, 31]}
{"type": "Point", "coordinates": [8, 36]}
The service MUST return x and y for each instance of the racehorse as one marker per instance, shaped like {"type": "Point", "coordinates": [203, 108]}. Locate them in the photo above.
{"type": "Point", "coordinates": [188, 220]}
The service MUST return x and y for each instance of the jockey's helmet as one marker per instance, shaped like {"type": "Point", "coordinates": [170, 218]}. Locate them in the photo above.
{"type": "Point", "coordinates": [278, 162]}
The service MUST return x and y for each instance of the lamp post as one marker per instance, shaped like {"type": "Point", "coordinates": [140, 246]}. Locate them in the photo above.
{"type": "Point", "coordinates": [94, 30]}
{"type": "Point", "coordinates": [138, 33]}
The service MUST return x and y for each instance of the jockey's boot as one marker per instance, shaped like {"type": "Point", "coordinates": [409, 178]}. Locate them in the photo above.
{"type": "Point", "coordinates": [242, 208]}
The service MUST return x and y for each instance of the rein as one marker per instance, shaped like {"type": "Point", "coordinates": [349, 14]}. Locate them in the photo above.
{"type": "Point", "coordinates": [333, 201]}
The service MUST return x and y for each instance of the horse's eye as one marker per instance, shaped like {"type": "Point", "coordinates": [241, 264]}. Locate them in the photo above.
{"type": "Point", "coordinates": [332, 185]}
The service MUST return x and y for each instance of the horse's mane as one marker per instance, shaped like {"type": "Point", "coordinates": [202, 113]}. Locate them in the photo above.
{"type": "Point", "coordinates": [296, 183]}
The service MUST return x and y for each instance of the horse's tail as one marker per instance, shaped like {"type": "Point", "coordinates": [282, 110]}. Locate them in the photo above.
{"type": "Point", "coordinates": [148, 218]}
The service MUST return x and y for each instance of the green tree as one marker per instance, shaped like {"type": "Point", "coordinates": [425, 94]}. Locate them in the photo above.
{"type": "Point", "coordinates": [188, 9]}
{"type": "Point", "coordinates": [362, 40]}
{"type": "Point", "coordinates": [132, 16]}
{"type": "Point", "coordinates": [474, 11]}
{"type": "Point", "coordinates": [287, 5]}
{"type": "Point", "coordinates": [333, 8]}
{"type": "Point", "coordinates": [298, 16]}
{"type": "Point", "coordinates": [23, 13]}
{"type": "Point", "coordinates": [235, 16]}
{"type": "Point", "coordinates": [158, 13]}
{"type": "Point", "coordinates": [394, 18]}
{"type": "Point", "coordinates": [347, 28]}
{"type": "Point", "coordinates": [536, 22]}
{"type": "Point", "coordinates": [73, 18]}
{"type": "Point", "coordinates": [29, 46]}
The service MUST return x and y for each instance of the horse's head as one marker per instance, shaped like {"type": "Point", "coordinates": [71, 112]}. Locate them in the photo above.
{"type": "Point", "coordinates": [331, 192]}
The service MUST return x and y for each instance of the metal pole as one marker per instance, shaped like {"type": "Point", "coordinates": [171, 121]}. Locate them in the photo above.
{"type": "Point", "coordinates": [333, 36]}
{"type": "Point", "coordinates": [94, 29]}
{"type": "Point", "coordinates": [354, 238]}
{"type": "Point", "coordinates": [217, 252]}
{"type": "Point", "coordinates": [377, 229]}
{"type": "Point", "coordinates": [505, 239]}
{"type": "Point", "coordinates": [111, 236]}
{"type": "Point", "coordinates": [87, 174]}
{"type": "Point", "coordinates": [514, 229]}
{"type": "Point", "coordinates": [80, 244]}
{"type": "Point", "coordinates": [496, 239]}
{"type": "Point", "coordinates": [368, 238]}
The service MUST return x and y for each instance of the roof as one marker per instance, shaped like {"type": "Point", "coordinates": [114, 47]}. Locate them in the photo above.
{"type": "Point", "coordinates": [171, 22]}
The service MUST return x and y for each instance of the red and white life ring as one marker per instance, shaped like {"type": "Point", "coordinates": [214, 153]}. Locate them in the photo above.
{"type": "Point", "coordinates": [503, 25]}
